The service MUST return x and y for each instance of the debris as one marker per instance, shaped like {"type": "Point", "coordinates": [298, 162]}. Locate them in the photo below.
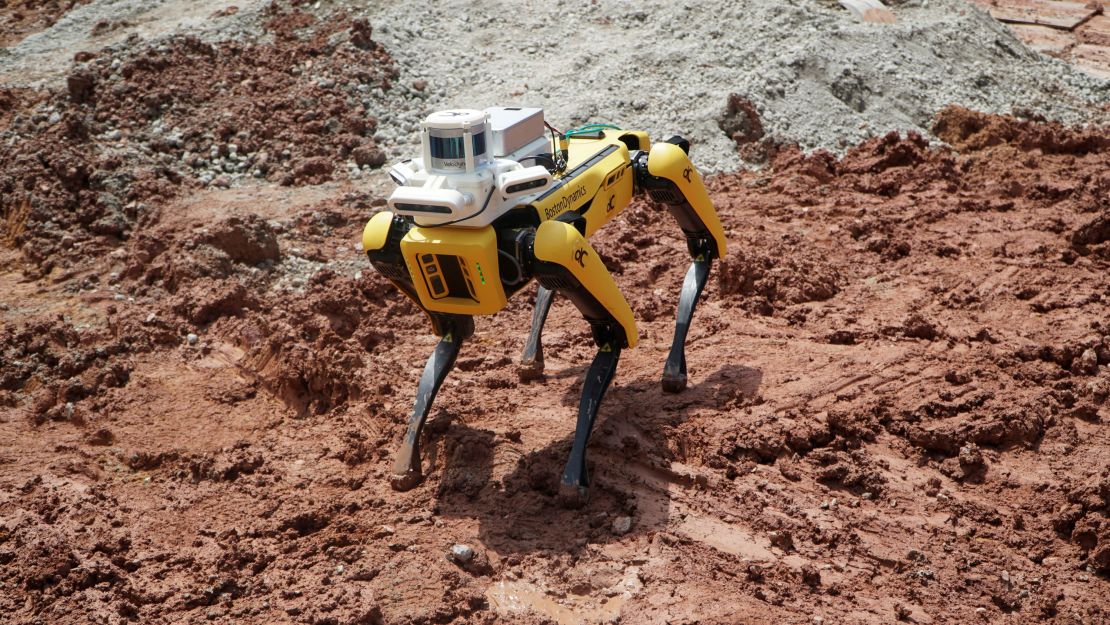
{"type": "Point", "coordinates": [869, 11]}
{"type": "Point", "coordinates": [460, 554]}
{"type": "Point", "coordinates": [622, 525]}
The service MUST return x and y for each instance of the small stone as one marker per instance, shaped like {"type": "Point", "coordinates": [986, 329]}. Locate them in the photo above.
{"type": "Point", "coordinates": [420, 84]}
{"type": "Point", "coordinates": [867, 495]}
{"type": "Point", "coordinates": [782, 539]}
{"type": "Point", "coordinates": [460, 554]}
{"type": "Point", "coordinates": [191, 339]}
{"type": "Point", "coordinates": [68, 410]}
{"type": "Point", "coordinates": [1086, 364]}
{"type": "Point", "coordinates": [622, 525]}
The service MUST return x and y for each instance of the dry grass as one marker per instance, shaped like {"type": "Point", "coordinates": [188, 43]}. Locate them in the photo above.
{"type": "Point", "coordinates": [15, 221]}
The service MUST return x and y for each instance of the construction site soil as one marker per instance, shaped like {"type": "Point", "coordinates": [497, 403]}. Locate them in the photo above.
{"type": "Point", "coordinates": [899, 378]}
{"type": "Point", "coordinates": [897, 411]}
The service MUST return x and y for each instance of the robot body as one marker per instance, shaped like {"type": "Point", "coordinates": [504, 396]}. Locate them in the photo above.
{"type": "Point", "coordinates": [470, 225]}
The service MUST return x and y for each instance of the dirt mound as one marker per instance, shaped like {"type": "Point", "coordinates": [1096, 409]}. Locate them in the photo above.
{"type": "Point", "coordinates": [138, 124]}
{"type": "Point", "coordinates": [780, 273]}
{"type": "Point", "coordinates": [969, 130]}
{"type": "Point", "coordinates": [279, 110]}
{"type": "Point", "coordinates": [309, 351]}
{"type": "Point", "coordinates": [899, 381]}
{"type": "Point", "coordinates": [19, 18]}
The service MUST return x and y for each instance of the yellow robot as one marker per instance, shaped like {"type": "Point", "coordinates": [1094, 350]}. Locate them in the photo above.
{"type": "Point", "coordinates": [492, 204]}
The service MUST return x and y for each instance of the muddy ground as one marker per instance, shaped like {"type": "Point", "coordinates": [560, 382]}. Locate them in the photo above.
{"type": "Point", "coordinates": [897, 411]}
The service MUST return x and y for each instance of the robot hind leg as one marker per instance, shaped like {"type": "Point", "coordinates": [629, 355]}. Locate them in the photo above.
{"type": "Point", "coordinates": [531, 362]}
{"type": "Point", "coordinates": [667, 174]}
{"type": "Point", "coordinates": [565, 262]}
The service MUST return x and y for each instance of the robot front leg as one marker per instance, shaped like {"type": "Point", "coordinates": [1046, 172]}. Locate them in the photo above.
{"type": "Point", "coordinates": [531, 362]}
{"type": "Point", "coordinates": [407, 473]}
{"type": "Point", "coordinates": [565, 262]}
{"type": "Point", "coordinates": [667, 174]}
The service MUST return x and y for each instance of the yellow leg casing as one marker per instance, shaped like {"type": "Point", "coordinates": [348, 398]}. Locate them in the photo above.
{"type": "Point", "coordinates": [376, 232]}
{"type": "Point", "coordinates": [669, 161]}
{"type": "Point", "coordinates": [561, 244]}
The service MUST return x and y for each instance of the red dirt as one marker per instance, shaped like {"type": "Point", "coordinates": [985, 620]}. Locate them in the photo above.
{"type": "Point", "coordinates": [136, 128]}
{"type": "Point", "coordinates": [899, 390]}
{"type": "Point", "coordinates": [19, 18]}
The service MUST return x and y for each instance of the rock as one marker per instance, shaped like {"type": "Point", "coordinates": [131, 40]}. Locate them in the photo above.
{"type": "Point", "coordinates": [420, 84]}
{"type": "Point", "coordinates": [971, 457]}
{"type": "Point", "coordinates": [622, 525]}
{"type": "Point", "coordinates": [361, 32]}
{"type": "Point", "coordinates": [740, 120]}
{"type": "Point", "coordinates": [368, 157]}
{"type": "Point", "coordinates": [81, 86]}
{"type": "Point", "coordinates": [782, 539]}
{"type": "Point", "coordinates": [918, 327]}
{"type": "Point", "coordinates": [191, 339]}
{"type": "Point", "coordinates": [101, 438]}
{"type": "Point", "coordinates": [1086, 364]}
{"type": "Point", "coordinates": [460, 554]}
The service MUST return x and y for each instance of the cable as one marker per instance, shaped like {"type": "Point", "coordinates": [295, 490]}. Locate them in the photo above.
{"type": "Point", "coordinates": [544, 160]}
{"type": "Point", "coordinates": [480, 211]}
{"type": "Point", "coordinates": [590, 129]}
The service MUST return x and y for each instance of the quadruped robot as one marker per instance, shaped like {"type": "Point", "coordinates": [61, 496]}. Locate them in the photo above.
{"type": "Point", "coordinates": [499, 198]}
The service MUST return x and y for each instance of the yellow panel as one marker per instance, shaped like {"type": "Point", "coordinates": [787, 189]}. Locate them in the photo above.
{"type": "Point", "coordinates": [454, 270]}
{"type": "Point", "coordinates": [668, 161]}
{"type": "Point", "coordinates": [558, 242]}
{"type": "Point", "coordinates": [614, 196]}
{"type": "Point", "coordinates": [578, 186]}
{"type": "Point", "coordinates": [376, 231]}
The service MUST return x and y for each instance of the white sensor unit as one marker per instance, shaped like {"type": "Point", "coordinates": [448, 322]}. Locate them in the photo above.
{"type": "Point", "coordinates": [431, 204]}
{"type": "Point", "coordinates": [521, 182]}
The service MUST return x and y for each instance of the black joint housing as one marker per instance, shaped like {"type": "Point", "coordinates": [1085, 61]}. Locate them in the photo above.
{"type": "Point", "coordinates": [680, 142]}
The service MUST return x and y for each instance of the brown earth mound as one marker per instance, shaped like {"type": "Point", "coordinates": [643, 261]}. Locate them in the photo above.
{"type": "Point", "coordinates": [899, 388]}
{"type": "Point", "coordinates": [139, 124]}
{"type": "Point", "coordinates": [19, 18]}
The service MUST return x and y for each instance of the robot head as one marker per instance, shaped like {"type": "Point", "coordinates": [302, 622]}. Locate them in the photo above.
{"type": "Point", "coordinates": [470, 171]}
{"type": "Point", "coordinates": [455, 141]}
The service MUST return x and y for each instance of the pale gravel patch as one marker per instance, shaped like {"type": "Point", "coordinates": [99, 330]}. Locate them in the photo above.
{"type": "Point", "coordinates": [818, 77]}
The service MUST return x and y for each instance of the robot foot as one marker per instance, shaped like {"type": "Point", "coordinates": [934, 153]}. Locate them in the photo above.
{"type": "Point", "coordinates": [573, 496]}
{"type": "Point", "coordinates": [406, 481]}
{"type": "Point", "coordinates": [674, 371]}
{"type": "Point", "coordinates": [531, 369]}
{"type": "Point", "coordinates": [406, 469]}
{"type": "Point", "coordinates": [574, 486]}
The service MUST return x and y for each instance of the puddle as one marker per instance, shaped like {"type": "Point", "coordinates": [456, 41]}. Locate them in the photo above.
{"type": "Point", "coordinates": [508, 597]}
{"type": "Point", "coordinates": [724, 537]}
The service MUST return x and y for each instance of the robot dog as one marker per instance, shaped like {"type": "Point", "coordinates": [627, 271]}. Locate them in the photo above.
{"type": "Point", "coordinates": [494, 203]}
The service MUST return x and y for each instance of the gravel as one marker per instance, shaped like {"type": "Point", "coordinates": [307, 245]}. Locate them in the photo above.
{"type": "Point", "coordinates": [816, 76]}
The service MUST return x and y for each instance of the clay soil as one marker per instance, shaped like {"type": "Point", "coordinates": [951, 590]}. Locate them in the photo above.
{"type": "Point", "coordinates": [897, 411]}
